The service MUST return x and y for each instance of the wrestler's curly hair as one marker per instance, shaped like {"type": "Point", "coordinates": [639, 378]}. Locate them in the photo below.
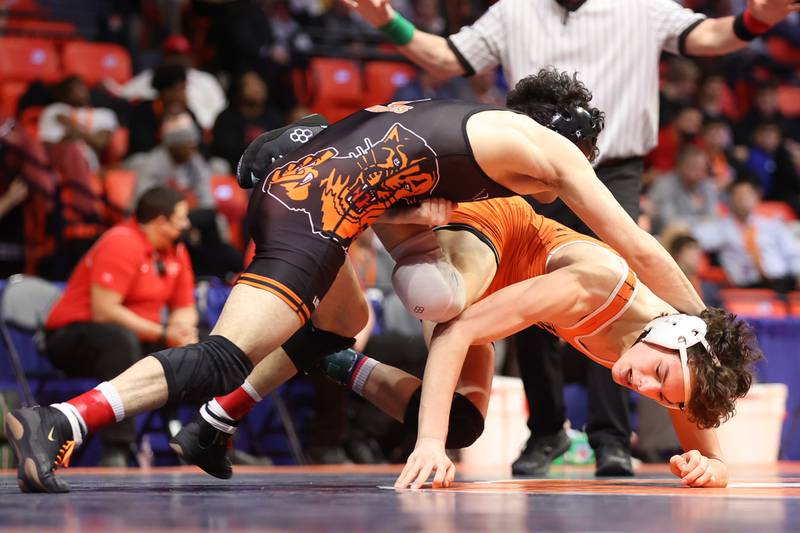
{"type": "Point", "coordinates": [550, 91]}
{"type": "Point", "coordinates": [542, 94]}
{"type": "Point", "coordinates": [715, 388]}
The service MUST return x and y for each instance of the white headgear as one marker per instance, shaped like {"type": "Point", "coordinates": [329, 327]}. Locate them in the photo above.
{"type": "Point", "coordinates": [679, 332]}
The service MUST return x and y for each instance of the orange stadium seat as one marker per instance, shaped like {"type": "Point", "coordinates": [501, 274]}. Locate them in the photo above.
{"type": "Point", "coordinates": [117, 147]}
{"type": "Point", "coordinates": [383, 78]}
{"type": "Point", "coordinates": [789, 100]}
{"type": "Point", "coordinates": [335, 87]}
{"type": "Point", "coordinates": [119, 186]}
{"type": "Point", "coordinates": [56, 29]}
{"type": "Point", "coordinates": [753, 302]}
{"type": "Point", "coordinates": [95, 62]}
{"type": "Point", "coordinates": [775, 209]}
{"type": "Point", "coordinates": [711, 273]}
{"type": "Point", "coordinates": [10, 93]}
{"type": "Point", "coordinates": [231, 201]}
{"type": "Point", "coordinates": [794, 303]}
{"type": "Point", "coordinates": [28, 59]}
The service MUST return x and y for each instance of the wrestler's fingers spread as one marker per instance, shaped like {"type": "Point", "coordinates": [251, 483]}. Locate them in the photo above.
{"type": "Point", "coordinates": [424, 473]}
{"type": "Point", "coordinates": [440, 477]}
{"type": "Point", "coordinates": [451, 475]}
{"type": "Point", "coordinates": [408, 473]}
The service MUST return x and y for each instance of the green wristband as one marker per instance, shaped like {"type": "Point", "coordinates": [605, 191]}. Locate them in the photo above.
{"type": "Point", "coordinates": [399, 30]}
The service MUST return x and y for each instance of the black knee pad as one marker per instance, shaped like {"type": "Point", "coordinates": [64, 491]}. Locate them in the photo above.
{"type": "Point", "coordinates": [199, 371]}
{"type": "Point", "coordinates": [308, 345]}
{"type": "Point", "coordinates": [466, 421]}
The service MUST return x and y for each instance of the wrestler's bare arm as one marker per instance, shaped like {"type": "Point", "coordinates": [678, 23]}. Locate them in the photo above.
{"type": "Point", "coordinates": [702, 465]}
{"type": "Point", "coordinates": [499, 315]}
{"type": "Point", "coordinates": [528, 158]}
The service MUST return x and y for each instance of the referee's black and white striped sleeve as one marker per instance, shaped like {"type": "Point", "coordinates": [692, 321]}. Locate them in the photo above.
{"type": "Point", "coordinates": [669, 20]}
{"type": "Point", "coordinates": [483, 44]}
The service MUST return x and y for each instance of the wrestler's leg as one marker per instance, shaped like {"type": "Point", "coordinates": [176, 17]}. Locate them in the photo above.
{"type": "Point", "coordinates": [342, 313]}
{"type": "Point", "coordinates": [43, 435]}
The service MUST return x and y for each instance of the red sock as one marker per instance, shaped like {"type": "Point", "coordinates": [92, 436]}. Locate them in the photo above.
{"type": "Point", "coordinates": [239, 402]}
{"type": "Point", "coordinates": [94, 409]}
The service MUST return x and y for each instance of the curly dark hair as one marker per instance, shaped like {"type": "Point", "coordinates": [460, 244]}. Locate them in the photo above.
{"type": "Point", "coordinates": [550, 91]}
{"type": "Point", "coordinates": [716, 388]}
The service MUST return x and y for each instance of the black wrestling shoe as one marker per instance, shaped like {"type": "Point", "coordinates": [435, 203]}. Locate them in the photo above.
{"type": "Point", "coordinates": [42, 440]}
{"type": "Point", "coordinates": [201, 444]}
{"type": "Point", "coordinates": [539, 454]}
{"type": "Point", "coordinates": [613, 461]}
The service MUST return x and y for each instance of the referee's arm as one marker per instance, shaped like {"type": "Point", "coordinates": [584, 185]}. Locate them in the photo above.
{"type": "Point", "coordinates": [430, 52]}
{"type": "Point", "coordinates": [713, 37]}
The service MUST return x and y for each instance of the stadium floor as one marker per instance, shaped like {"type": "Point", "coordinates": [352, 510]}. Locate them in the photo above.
{"type": "Point", "coordinates": [357, 499]}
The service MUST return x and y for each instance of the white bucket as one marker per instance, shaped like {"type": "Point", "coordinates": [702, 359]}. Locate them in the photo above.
{"type": "Point", "coordinates": [753, 435]}
{"type": "Point", "coordinates": [505, 430]}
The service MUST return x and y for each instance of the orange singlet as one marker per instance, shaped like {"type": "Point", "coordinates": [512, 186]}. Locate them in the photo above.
{"type": "Point", "coordinates": [523, 242]}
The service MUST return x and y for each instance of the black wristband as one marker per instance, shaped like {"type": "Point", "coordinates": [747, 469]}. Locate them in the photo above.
{"type": "Point", "coordinates": [740, 30]}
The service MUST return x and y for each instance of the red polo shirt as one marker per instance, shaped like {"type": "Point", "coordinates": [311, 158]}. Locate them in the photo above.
{"type": "Point", "coordinates": [124, 261]}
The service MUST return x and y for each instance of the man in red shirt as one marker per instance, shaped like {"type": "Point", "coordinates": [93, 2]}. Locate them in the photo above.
{"type": "Point", "coordinates": [111, 310]}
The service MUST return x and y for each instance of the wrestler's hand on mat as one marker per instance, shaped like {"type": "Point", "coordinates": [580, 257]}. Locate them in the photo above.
{"type": "Point", "coordinates": [377, 12]}
{"type": "Point", "coordinates": [428, 456]}
{"type": "Point", "coordinates": [697, 470]}
{"type": "Point", "coordinates": [431, 212]}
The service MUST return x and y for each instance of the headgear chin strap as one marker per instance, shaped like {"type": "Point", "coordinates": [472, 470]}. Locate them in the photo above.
{"type": "Point", "coordinates": [679, 332]}
{"type": "Point", "coordinates": [266, 148]}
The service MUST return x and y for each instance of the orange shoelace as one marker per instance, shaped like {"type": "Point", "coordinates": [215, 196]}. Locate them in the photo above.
{"type": "Point", "coordinates": [64, 454]}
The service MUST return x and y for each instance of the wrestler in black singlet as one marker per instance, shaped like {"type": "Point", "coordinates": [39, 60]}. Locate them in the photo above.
{"type": "Point", "coordinates": [317, 199]}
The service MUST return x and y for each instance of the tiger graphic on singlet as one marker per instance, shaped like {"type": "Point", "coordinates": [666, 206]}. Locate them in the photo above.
{"type": "Point", "coordinates": [340, 204]}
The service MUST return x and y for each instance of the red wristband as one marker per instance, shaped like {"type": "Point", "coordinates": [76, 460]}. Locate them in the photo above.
{"type": "Point", "coordinates": [754, 25]}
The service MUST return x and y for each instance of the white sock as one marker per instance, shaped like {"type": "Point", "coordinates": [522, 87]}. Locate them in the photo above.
{"type": "Point", "coordinates": [361, 374]}
{"type": "Point", "coordinates": [251, 391]}
{"type": "Point", "coordinates": [213, 413]}
{"type": "Point", "coordinates": [111, 394]}
{"type": "Point", "coordinates": [76, 421]}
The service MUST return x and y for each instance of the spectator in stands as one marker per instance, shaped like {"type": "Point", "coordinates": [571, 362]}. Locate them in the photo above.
{"type": "Point", "coordinates": [689, 256]}
{"type": "Point", "coordinates": [76, 137]}
{"type": "Point", "coordinates": [716, 141]}
{"type": "Point", "coordinates": [146, 117]}
{"type": "Point", "coordinates": [12, 228]}
{"type": "Point", "coordinates": [765, 109]}
{"type": "Point", "coordinates": [176, 163]}
{"type": "Point", "coordinates": [686, 195]}
{"type": "Point", "coordinates": [769, 158]}
{"type": "Point", "coordinates": [110, 313]}
{"type": "Point", "coordinates": [754, 251]}
{"type": "Point", "coordinates": [428, 18]}
{"type": "Point", "coordinates": [249, 115]}
{"type": "Point", "coordinates": [204, 95]}
{"type": "Point", "coordinates": [678, 87]}
{"type": "Point", "coordinates": [72, 128]}
{"type": "Point", "coordinates": [25, 236]}
{"type": "Point", "coordinates": [711, 96]}
{"type": "Point", "coordinates": [425, 85]}
{"type": "Point", "coordinates": [262, 36]}
{"type": "Point", "coordinates": [673, 137]}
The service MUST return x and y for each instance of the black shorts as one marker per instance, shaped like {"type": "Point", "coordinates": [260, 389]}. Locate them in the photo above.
{"type": "Point", "coordinates": [291, 260]}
